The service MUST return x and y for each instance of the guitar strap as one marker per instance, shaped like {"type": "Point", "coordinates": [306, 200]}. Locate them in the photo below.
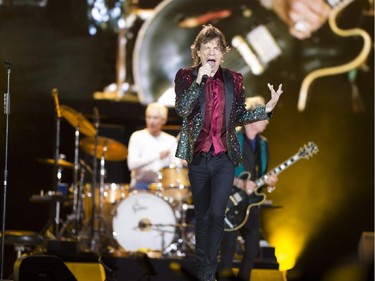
{"type": "Point", "coordinates": [263, 156]}
{"type": "Point", "coordinates": [240, 168]}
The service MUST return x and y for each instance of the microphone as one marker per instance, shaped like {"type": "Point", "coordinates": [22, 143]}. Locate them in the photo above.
{"type": "Point", "coordinates": [204, 79]}
{"type": "Point", "coordinates": [205, 76]}
{"type": "Point", "coordinates": [7, 64]}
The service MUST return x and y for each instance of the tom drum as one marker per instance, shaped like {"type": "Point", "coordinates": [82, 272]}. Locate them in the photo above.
{"type": "Point", "coordinates": [112, 194]}
{"type": "Point", "coordinates": [175, 182]}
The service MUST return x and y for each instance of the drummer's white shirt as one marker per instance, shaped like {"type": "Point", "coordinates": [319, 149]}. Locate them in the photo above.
{"type": "Point", "coordinates": [144, 155]}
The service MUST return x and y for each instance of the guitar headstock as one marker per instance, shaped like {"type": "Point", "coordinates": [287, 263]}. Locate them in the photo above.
{"type": "Point", "coordinates": [308, 150]}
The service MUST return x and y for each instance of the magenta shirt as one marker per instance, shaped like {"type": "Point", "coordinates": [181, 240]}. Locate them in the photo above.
{"type": "Point", "coordinates": [214, 131]}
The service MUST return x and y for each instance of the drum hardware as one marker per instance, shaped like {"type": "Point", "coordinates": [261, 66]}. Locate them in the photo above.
{"type": "Point", "coordinates": [54, 198]}
{"type": "Point", "coordinates": [90, 236]}
{"type": "Point", "coordinates": [24, 242]}
{"type": "Point", "coordinates": [104, 149]}
{"type": "Point", "coordinates": [81, 125]}
{"type": "Point", "coordinates": [60, 189]}
{"type": "Point", "coordinates": [53, 225]}
{"type": "Point", "coordinates": [112, 194]}
{"type": "Point", "coordinates": [180, 247]}
{"type": "Point", "coordinates": [75, 219]}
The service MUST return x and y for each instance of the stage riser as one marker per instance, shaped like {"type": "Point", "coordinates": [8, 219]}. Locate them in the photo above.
{"type": "Point", "coordinates": [127, 269]}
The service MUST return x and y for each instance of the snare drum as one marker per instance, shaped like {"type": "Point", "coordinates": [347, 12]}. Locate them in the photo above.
{"type": "Point", "coordinates": [144, 220]}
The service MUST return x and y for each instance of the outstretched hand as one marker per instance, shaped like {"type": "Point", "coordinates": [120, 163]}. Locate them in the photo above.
{"type": "Point", "coordinates": [275, 95]}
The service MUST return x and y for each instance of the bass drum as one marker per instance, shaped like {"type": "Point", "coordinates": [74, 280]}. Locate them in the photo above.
{"type": "Point", "coordinates": [163, 42]}
{"type": "Point", "coordinates": [144, 221]}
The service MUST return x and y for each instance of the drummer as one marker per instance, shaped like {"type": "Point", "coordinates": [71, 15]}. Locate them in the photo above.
{"type": "Point", "coordinates": [151, 149]}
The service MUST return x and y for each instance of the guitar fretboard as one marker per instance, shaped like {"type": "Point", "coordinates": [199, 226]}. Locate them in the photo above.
{"type": "Point", "coordinates": [286, 164]}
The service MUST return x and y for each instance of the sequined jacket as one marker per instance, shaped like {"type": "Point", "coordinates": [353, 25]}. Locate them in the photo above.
{"type": "Point", "coordinates": [190, 105]}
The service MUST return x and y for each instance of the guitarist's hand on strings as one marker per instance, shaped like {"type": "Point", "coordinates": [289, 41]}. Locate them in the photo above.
{"type": "Point", "coordinates": [270, 180]}
{"type": "Point", "coordinates": [303, 16]}
{"type": "Point", "coordinates": [246, 185]}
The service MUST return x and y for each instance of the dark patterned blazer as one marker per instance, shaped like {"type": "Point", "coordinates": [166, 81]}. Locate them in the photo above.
{"type": "Point", "coordinates": [190, 105]}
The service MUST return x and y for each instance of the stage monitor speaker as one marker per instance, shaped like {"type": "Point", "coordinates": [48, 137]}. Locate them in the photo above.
{"type": "Point", "coordinates": [87, 271]}
{"type": "Point", "coordinates": [41, 268]}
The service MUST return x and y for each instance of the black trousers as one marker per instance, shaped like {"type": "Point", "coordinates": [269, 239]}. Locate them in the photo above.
{"type": "Point", "coordinates": [211, 180]}
{"type": "Point", "coordinates": [250, 233]}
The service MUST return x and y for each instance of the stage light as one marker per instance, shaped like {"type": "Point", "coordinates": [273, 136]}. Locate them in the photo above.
{"type": "Point", "coordinates": [105, 16]}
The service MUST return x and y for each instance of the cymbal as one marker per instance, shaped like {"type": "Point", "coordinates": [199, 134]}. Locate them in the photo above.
{"type": "Point", "coordinates": [115, 151]}
{"type": "Point", "coordinates": [61, 162]}
{"type": "Point", "coordinates": [77, 120]}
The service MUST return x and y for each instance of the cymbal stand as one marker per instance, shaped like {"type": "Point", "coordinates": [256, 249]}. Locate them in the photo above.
{"type": "Point", "coordinates": [98, 222]}
{"type": "Point", "coordinates": [102, 175]}
{"type": "Point", "coordinates": [76, 186]}
{"type": "Point", "coordinates": [77, 215]}
{"type": "Point", "coordinates": [57, 168]}
{"type": "Point", "coordinates": [94, 179]}
{"type": "Point", "coordinates": [57, 140]}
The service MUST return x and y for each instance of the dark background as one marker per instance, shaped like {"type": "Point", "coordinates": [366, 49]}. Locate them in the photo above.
{"type": "Point", "coordinates": [328, 200]}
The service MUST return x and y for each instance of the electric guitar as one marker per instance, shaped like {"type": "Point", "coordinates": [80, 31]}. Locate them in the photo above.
{"type": "Point", "coordinates": [240, 203]}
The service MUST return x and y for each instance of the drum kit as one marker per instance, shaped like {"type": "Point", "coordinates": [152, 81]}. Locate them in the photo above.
{"type": "Point", "coordinates": [111, 217]}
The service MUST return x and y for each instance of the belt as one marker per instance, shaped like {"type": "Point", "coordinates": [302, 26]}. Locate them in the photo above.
{"type": "Point", "coordinates": [210, 154]}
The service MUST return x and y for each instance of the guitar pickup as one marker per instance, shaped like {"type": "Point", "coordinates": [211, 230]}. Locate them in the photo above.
{"type": "Point", "coordinates": [258, 49]}
{"type": "Point", "coordinates": [236, 198]}
{"type": "Point", "coordinates": [265, 46]}
{"type": "Point", "coordinates": [248, 55]}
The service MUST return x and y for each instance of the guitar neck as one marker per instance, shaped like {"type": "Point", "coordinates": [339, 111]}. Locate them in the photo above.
{"type": "Point", "coordinates": [277, 170]}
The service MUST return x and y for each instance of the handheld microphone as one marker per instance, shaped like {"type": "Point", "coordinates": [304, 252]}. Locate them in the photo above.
{"type": "Point", "coordinates": [7, 64]}
{"type": "Point", "coordinates": [204, 79]}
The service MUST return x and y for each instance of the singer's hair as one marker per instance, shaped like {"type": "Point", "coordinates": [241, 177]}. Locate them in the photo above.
{"type": "Point", "coordinates": [207, 34]}
{"type": "Point", "coordinates": [163, 110]}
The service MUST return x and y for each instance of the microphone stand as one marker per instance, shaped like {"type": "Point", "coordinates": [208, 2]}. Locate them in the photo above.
{"type": "Point", "coordinates": [8, 65]}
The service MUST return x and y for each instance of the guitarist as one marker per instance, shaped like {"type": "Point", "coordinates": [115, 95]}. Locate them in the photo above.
{"type": "Point", "coordinates": [254, 149]}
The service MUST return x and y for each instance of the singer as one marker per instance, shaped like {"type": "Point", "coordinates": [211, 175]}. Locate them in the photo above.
{"type": "Point", "coordinates": [211, 101]}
